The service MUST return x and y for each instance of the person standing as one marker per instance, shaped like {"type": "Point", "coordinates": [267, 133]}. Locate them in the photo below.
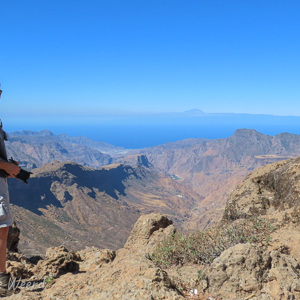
{"type": "Point", "coordinates": [7, 169]}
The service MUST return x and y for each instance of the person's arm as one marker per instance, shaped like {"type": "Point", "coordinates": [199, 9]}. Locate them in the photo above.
{"type": "Point", "coordinates": [9, 168]}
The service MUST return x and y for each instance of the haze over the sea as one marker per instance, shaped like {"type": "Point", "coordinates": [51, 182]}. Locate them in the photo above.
{"type": "Point", "coordinates": [153, 129]}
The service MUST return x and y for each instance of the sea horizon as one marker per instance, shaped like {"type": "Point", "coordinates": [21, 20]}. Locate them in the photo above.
{"type": "Point", "coordinates": [139, 136]}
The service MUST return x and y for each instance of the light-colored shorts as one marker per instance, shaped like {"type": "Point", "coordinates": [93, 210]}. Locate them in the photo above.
{"type": "Point", "coordinates": [5, 213]}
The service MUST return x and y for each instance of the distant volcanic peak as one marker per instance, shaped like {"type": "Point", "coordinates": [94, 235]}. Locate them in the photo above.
{"type": "Point", "coordinates": [194, 111]}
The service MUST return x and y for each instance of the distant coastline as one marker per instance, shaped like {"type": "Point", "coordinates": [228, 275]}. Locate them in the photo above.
{"type": "Point", "coordinates": [135, 132]}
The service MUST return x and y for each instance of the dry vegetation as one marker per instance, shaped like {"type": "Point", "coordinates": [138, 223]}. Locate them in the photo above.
{"type": "Point", "coordinates": [202, 247]}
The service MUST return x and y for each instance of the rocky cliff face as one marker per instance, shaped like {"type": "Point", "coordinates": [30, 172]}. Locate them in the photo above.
{"type": "Point", "coordinates": [243, 271]}
{"type": "Point", "coordinates": [272, 190]}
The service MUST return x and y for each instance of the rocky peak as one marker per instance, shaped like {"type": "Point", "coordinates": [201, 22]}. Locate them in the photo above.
{"type": "Point", "coordinates": [250, 137]}
{"type": "Point", "coordinates": [136, 160]}
{"type": "Point", "coordinates": [242, 132]}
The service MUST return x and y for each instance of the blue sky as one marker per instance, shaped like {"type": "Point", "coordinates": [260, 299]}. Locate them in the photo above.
{"type": "Point", "coordinates": [88, 58]}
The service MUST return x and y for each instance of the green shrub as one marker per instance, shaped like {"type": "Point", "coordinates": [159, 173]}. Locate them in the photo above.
{"type": "Point", "coordinates": [204, 247]}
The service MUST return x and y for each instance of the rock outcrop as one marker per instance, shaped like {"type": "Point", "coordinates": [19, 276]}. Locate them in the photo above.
{"type": "Point", "coordinates": [105, 274]}
{"type": "Point", "coordinates": [272, 189]}
{"type": "Point", "coordinates": [58, 261]}
{"type": "Point", "coordinates": [245, 270]}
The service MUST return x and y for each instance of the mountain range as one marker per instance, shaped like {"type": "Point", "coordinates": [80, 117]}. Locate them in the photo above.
{"type": "Point", "coordinates": [96, 198]}
{"type": "Point", "coordinates": [212, 168]}
{"type": "Point", "coordinates": [34, 149]}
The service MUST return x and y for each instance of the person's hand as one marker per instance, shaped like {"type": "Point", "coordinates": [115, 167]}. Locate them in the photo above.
{"type": "Point", "coordinates": [13, 170]}
{"type": "Point", "coordinates": [10, 168]}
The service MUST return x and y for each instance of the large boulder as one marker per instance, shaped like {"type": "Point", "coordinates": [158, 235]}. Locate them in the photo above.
{"type": "Point", "coordinates": [148, 230]}
{"type": "Point", "coordinates": [58, 261]}
{"type": "Point", "coordinates": [246, 270]}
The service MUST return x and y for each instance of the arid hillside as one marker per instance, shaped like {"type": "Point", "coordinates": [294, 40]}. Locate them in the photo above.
{"type": "Point", "coordinates": [34, 149]}
{"type": "Point", "coordinates": [75, 205]}
{"type": "Point", "coordinates": [213, 168]}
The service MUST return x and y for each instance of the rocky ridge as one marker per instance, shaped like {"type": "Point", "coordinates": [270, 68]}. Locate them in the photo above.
{"type": "Point", "coordinates": [66, 203]}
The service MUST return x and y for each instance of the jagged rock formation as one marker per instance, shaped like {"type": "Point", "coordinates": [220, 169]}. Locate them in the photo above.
{"type": "Point", "coordinates": [247, 271]}
{"type": "Point", "coordinates": [137, 159]}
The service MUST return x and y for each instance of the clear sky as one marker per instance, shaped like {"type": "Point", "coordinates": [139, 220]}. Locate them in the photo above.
{"type": "Point", "coordinates": [94, 57]}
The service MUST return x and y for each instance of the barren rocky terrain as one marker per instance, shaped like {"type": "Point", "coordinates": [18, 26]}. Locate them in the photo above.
{"type": "Point", "coordinates": [245, 270]}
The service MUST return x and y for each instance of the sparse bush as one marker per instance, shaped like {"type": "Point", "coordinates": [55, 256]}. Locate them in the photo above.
{"type": "Point", "coordinates": [204, 247]}
{"type": "Point", "coordinates": [49, 279]}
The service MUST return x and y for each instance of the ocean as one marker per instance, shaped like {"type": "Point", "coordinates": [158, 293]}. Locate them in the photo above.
{"type": "Point", "coordinates": [134, 133]}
